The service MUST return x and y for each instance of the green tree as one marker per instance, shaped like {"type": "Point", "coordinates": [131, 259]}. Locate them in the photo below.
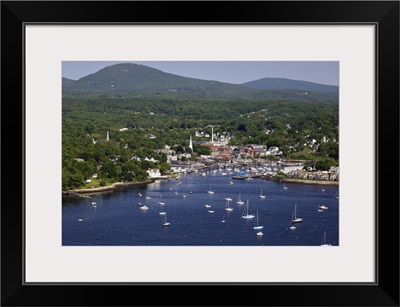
{"type": "Point", "coordinates": [325, 164]}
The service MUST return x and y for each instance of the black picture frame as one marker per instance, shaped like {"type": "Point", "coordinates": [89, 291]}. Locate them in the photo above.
{"type": "Point", "coordinates": [383, 14]}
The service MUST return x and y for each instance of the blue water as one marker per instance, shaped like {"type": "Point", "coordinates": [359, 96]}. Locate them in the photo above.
{"type": "Point", "coordinates": [118, 220]}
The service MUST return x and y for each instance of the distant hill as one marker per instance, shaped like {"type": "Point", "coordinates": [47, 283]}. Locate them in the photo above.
{"type": "Point", "coordinates": [135, 78]}
{"type": "Point", "coordinates": [128, 78]}
{"type": "Point", "coordinates": [67, 82]}
{"type": "Point", "coordinates": [288, 84]}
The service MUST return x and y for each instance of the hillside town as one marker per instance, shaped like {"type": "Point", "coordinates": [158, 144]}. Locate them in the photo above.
{"type": "Point", "coordinates": [249, 161]}
{"type": "Point", "coordinates": [239, 162]}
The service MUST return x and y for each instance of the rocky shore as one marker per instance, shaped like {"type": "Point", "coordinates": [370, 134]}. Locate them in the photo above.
{"type": "Point", "coordinates": [110, 188]}
{"type": "Point", "coordinates": [318, 182]}
{"type": "Point", "coordinates": [303, 181]}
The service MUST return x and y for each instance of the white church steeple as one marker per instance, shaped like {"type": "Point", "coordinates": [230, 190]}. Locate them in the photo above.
{"type": "Point", "coordinates": [190, 143]}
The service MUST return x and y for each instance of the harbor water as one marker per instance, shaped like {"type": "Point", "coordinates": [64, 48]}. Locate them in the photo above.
{"type": "Point", "coordinates": [119, 219]}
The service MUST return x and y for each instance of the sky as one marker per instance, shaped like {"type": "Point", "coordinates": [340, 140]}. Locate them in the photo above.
{"type": "Point", "coordinates": [235, 72]}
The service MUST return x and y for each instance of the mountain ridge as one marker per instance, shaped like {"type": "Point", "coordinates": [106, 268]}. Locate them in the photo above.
{"type": "Point", "coordinates": [129, 78]}
{"type": "Point", "coordinates": [285, 83]}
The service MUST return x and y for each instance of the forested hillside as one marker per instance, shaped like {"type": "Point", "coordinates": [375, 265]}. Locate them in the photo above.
{"type": "Point", "coordinates": [288, 84]}
{"type": "Point", "coordinates": [171, 120]}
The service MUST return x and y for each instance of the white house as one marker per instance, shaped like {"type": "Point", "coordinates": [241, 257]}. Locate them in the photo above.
{"type": "Point", "coordinates": [172, 158]}
{"type": "Point", "coordinates": [154, 172]}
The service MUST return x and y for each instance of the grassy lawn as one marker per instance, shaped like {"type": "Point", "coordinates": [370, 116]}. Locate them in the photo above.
{"type": "Point", "coordinates": [96, 183]}
{"type": "Point", "coordinates": [306, 154]}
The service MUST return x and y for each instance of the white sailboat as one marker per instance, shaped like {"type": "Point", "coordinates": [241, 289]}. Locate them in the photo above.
{"type": "Point", "coordinates": [284, 186]}
{"type": "Point", "coordinates": [323, 242]}
{"type": "Point", "coordinates": [261, 194]}
{"type": "Point", "coordinates": [162, 212]}
{"type": "Point", "coordinates": [160, 202]}
{"type": "Point", "coordinates": [257, 225]}
{"type": "Point", "coordinates": [210, 191]}
{"type": "Point", "coordinates": [245, 213]}
{"type": "Point", "coordinates": [323, 207]}
{"type": "Point", "coordinates": [296, 219]}
{"type": "Point", "coordinates": [240, 201]}
{"type": "Point", "coordinates": [227, 208]}
{"type": "Point", "coordinates": [165, 224]}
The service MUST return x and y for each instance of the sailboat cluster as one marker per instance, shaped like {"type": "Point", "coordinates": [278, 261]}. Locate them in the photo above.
{"type": "Point", "coordinates": [246, 213]}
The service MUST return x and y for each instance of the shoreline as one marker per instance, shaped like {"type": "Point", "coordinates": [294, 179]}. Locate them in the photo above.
{"type": "Point", "coordinates": [304, 181]}
{"type": "Point", "coordinates": [109, 188]}
{"type": "Point", "coordinates": [120, 185]}
{"type": "Point", "coordinates": [317, 182]}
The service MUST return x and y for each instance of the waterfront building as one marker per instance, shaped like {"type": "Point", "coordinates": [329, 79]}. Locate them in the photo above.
{"type": "Point", "coordinates": [154, 172]}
